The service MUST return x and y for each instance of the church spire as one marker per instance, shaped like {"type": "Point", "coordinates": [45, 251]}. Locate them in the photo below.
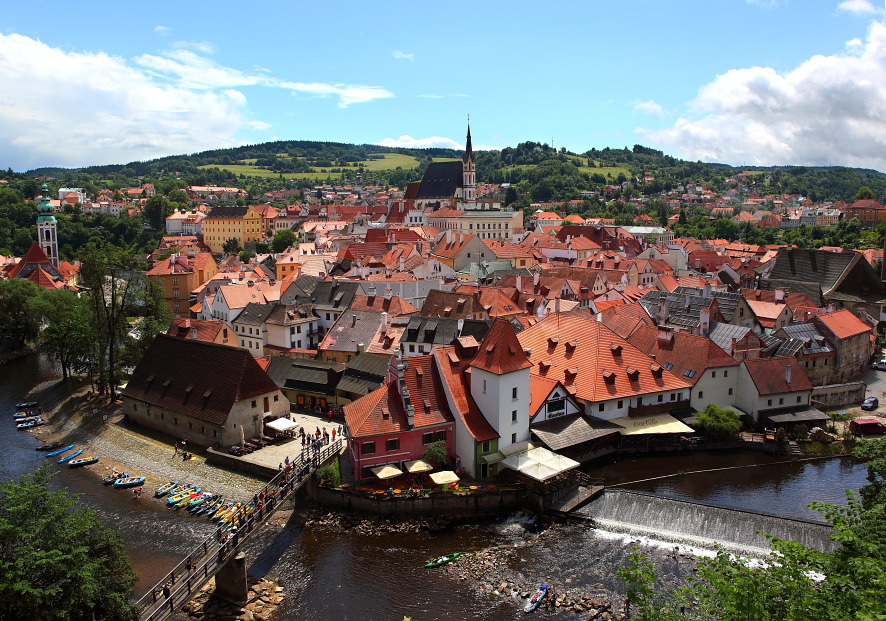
{"type": "Point", "coordinates": [469, 152]}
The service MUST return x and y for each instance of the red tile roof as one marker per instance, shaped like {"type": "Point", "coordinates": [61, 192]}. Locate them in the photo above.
{"type": "Point", "coordinates": [593, 361]}
{"type": "Point", "coordinates": [769, 375]}
{"type": "Point", "coordinates": [689, 354]}
{"type": "Point", "coordinates": [500, 352]}
{"type": "Point", "coordinates": [455, 374]}
{"type": "Point", "coordinates": [843, 323]}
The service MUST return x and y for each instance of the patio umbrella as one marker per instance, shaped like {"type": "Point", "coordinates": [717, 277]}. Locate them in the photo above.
{"type": "Point", "coordinates": [414, 467]}
{"type": "Point", "coordinates": [444, 478]}
{"type": "Point", "coordinates": [386, 472]}
{"type": "Point", "coordinates": [519, 461]}
{"type": "Point", "coordinates": [538, 471]}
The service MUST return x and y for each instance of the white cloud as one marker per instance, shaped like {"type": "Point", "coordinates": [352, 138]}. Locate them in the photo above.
{"type": "Point", "coordinates": [409, 142]}
{"type": "Point", "coordinates": [61, 108]}
{"type": "Point", "coordinates": [854, 46]}
{"type": "Point", "coordinates": [163, 31]}
{"type": "Point", "coordinates": [650, 107]}
{"type": "Point", "coordinates": [403, 55]}
{"type": "Point", "coordinates": [829, 110]}
{"type": "Point", "coordinates": [859, 7]}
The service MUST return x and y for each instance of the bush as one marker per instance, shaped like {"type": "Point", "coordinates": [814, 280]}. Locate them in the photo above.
{"type": "Point", "coordinates": [436, 454]}
{"type": "Point", "coordinates": [327, 476]}
{"type": "Point", "coordinates": [719, 423]}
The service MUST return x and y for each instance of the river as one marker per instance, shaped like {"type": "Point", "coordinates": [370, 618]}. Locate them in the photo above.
{"type": "Point", "coordinates": [340, 576]}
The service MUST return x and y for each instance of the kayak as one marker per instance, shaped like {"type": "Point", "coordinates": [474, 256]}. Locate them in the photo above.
{"type": "Point", "coordinates": [533, 602]}
{"type": "Point", "coordinates": [61, 450]}
{"type": "Point", "coordinates": [83, 461]}
{"type": "Point", "coordinates": [164, 489]}
{"type": "Point", "coordinates": [443, 560]}
{"type": "Point", "coordinates": [49, 447]}
{"type": "Point", "coordinates": [185, 493]}
{"type": "Point", "coordinates": [68, 458]}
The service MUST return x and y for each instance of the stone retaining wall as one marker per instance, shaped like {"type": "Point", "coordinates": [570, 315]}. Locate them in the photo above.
{"type": "Point", "coordinates": [232, 462]}
{"type": "Point", "coordinates": [834, 395]}
{"type": "Point", "coordinates": [486, 502]}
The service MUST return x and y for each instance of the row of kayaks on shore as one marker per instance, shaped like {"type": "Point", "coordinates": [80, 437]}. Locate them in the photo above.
{"type": "Point", "coordinates": [531, 604]}
{"type": "Point", "coordinates": [188, 496]}
{"type": "Point", "coordinates": [27, 415]}
{"type": "Point", "coordinates": [72, 459]}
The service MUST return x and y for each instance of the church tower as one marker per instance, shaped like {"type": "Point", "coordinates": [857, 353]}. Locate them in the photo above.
{"type": "Point", "coordinates": [469, 175]}
{"type": "Point", "coordinates": [47, 228]}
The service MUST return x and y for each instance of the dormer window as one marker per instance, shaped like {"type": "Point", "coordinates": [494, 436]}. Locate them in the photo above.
{"type": "Point", "coordinates": [552, 341]}
{"type": "Point", "coordinates": [608, 377]}
{"type": "Point", "coordinates": [656, 369]}
{"type": "Point", "coordinates": [616, 349]}
{"type": "Point", "coordinates": [632, 373]}
{"type": "Point", "coordinates": [571, 346]}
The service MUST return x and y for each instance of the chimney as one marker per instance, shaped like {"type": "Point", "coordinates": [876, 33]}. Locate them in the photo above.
{"type": "Point", "coordinates": [448, 236]}
{"type": "Point", "coordinates": [461, 238]}
{"type": "Point", "coordinates": [787, 374]}
{"type": "Point", "coordinates": [706, 290]}
{"type": "Point", "coordinates": [384, 323]}
{"type": "Point", "coordinates": [704, 321]}
{"type": "Point", "coordinates": [360, 348]}
{"type": "Point", "coordinates": [388, 292]}
{"type": "Point", "coordinates": [661, 317]}
{"type": "Point", "coordinates": [353, 320]}
{"type": "Point", "coordinates": [519, 284]}
{"type": "Point", "coordinates": [402, 264]}
{"type": "Point", "coordinates": [664, 335]}
{"type": "Point", "coordinates": [461, 324]}
{"type": "Point", "coordinates": [779, 296]}
{"type": "Point", "coordinates": [535, 279]}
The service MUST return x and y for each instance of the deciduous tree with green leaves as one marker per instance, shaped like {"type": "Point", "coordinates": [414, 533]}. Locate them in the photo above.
{"type": "Point", "coordinates": [436, 454]}
{"type": "Point", "coordinates": [58, 562]}
{"type": "Point", "coordinates": [720, 423]}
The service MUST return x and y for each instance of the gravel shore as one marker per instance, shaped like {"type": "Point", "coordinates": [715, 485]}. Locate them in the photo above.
{"type": "Point", "coordinates": [96, 424]}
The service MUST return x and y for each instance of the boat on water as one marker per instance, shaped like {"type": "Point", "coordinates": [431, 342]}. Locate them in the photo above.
{"type": "Point", "coordinates": [443, 560]}
{"type": "Point", "coordinates": [129, 482]}
{"type": "Point", "coordinates": [83, 461]}
{"type": "Point", "coordinates": [61, 450]}
{"type": "Point", "coordinates": [31, 424]}
{"type": "Point", "coordinates": [68, 458]}
{"type": "Point", "coordinates": [49, 447]}
{"type": "Point", "coordinates": [114, 476]}
{"type": "Point", "coordinates": [165, 489]}
{"type": "Point", "coordinates": [535, 599]}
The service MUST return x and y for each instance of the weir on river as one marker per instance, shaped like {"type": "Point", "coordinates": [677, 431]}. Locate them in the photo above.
{"type": "Point", "coordinates": [700, 524]}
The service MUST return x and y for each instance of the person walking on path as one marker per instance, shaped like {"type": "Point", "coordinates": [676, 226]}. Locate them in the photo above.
{"type": "Point", "coordinates": [333, 434]}
{"type": "Point", "coordinates": [175, 448]}
{"type": "Point", "coordinates": [286, 461]}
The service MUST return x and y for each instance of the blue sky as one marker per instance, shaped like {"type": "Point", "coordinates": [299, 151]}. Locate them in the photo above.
{"type": "Point", "coordinates": [737, 81]}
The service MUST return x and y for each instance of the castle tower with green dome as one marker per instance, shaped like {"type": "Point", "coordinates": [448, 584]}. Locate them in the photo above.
{"type": "Point", "coordinates": [47, 226]}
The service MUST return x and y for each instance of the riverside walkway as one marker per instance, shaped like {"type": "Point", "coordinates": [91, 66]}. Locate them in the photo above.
{"type": "Point", "coordinates": [212, 554]}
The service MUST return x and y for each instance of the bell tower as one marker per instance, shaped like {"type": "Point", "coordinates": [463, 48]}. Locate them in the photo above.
{"type": "Point", "coordinates": [47, 226]}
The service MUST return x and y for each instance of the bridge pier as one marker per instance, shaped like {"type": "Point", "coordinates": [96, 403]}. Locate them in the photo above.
{"type": "Point", "coordinates": [230, 581]}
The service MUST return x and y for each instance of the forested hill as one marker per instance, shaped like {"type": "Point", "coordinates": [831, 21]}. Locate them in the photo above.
{"type": "Point", "coordinates": [536, 170]}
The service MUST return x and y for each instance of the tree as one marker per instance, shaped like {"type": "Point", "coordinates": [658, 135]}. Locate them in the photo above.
{"type": "Point", "coordinates": [156, 209]}
{"type": "Point", "coordinates": [231, 246]}
{"type": "Point", "coordinates": [283, 239]}
{"type": "Point", "coordinates": [68, 333]}
{"type": "Point", "coordinates": [114, 293]}
{"type": "Point", "coordinates": [436, 454]}
{"type": "Point", "coordinates": [58, 562]}
{"type": "Point", "coordinates": [865, 193]}
{"type": "Point", "coordinates": [17, 324]}
{"type": "Point", "coordinates": [720, 423]}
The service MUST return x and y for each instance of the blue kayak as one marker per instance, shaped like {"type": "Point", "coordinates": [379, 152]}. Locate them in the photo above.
{"type": "Point", "coordinates": [68, 458]}
{"type": "Point", "coordinates": [61, 450]}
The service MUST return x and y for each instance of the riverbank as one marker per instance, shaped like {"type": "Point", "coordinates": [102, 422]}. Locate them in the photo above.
{"type": "Point", "coordinates": [75, 416]}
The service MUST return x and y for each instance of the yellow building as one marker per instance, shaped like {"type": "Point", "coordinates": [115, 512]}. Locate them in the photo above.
{"type": "Point", "coordinates": [223, 223]}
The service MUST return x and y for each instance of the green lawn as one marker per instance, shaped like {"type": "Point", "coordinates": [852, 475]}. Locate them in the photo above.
{"type": "Point", "coordinates": [390, 162]}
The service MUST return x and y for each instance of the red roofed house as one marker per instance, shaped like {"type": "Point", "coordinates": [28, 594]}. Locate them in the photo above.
{"type": "Point", "coordinates": [767, 384]}
{"type": "Point", "coordinates": [36, 267]}
{"type": "Point", "coordinates": [396, 422]}
{"type": "Point", "coordinates": [487, 387]}
{"type": "Point", "coordinates": [851, 338]}
{"type": "Point", "coordinates": [176, 390]}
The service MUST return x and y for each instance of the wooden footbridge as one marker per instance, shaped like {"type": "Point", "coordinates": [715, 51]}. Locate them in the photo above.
{"type": "Point", "coordinates": [217, 553]}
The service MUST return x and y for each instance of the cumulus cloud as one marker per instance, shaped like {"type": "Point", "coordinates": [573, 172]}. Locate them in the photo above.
{"type": "Point", "coordinates": [403, 55]}
{"type": "Point", "coordinates": [859, 7]}
{"type": "Point", "coordinates": [61, 108]}
{"type": "Point", "coordinates": [829, 110]}
{"type": "Point", "coordinates": [650, 107]}
{"type": "Point", "coordinates": [430, 142]}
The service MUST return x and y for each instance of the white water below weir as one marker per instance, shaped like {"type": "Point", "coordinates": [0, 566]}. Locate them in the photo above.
{"type": "Point", "coordinates": [698, 524]}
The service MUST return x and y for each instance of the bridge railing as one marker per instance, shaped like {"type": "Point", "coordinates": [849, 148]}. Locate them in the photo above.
{"type": "Point", "coordinates": [205, 559]}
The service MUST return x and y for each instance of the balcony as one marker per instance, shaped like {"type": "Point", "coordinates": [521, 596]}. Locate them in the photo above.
{"type": "Point", "coordinates": [652, 409]}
